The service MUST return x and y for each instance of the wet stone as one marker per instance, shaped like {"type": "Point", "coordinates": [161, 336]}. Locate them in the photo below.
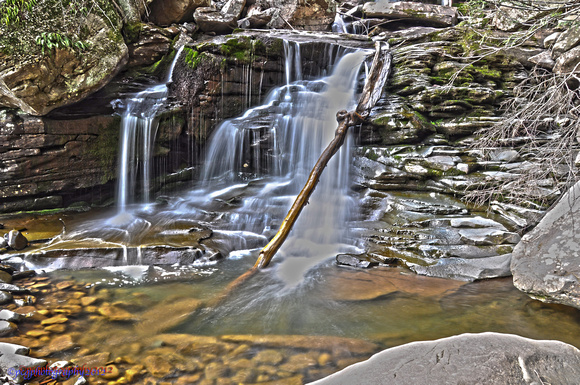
{"type": "Point", "coordinates": [5, 277]}
{"type": "Point", "coordinates": [157, 366]}
{"type": "Point", "coordinates": [56, 328]}
{"type": "Point", "coordinates": [58, 319]}
{"type": "Point", "coordinates": [7, 328]}
{"type": "Point", "coordinates": [61, 343]}
{"type": "Point", "coordinates": [87, 301]}
{"type": "Point", "coordinates": [113, 313]}
{"type": "Point", "coordinates": [64, 285]}
{"type": "Point", "coordinates": [112, 372]}
{"type": "Point", "coordinates": [8, 315]}
{"type": "Point", "coordinates": [270, 356]}
{"type": "Point", "coordinates": [37, 333]}
{"type": "Point", "coordinates": [5, 297]}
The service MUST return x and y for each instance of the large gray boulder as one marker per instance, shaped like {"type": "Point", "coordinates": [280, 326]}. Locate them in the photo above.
{"type": "Point", "coordinates": [486, 358]}
{"type": "Point", "coordinates": [13, 358]}
{"type": "Point", "coordinates": [546, 263]}
{"type": "Point", "coordinates": [426, 14]}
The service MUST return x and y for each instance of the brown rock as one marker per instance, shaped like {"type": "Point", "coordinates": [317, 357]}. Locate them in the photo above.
{"type": "Point", "coordinates": [299, 362]}
{"type": "Point", "coordinates": [113, 313]}
{"type": "Point", "coordinates": [111, 372]}
{"type": "Point", "coordinates": [61, 343]}
{"type": "Point", "coordinates": [64, 285]}
{"type": "Point", "coordinates": [215, 370]}
{"type": "Point", "coordinates": [57, 319]}
{"type": "Point", "coordinates": [166, 12]}
{"type": "Point", "coordinates": [87, 301]}
{"type": "Point", "coordinates": [37, 333]}
{"type": "Point", "coordinates": [5, 277]}
{"type": "Point", "coordinates": [157, 366]}
{"type": "Point", "coordinates": [269, 356]}
{"type": "Point", "coordinates": [56, 328]}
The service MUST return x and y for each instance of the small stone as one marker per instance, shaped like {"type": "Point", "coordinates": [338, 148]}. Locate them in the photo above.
{"type": "Point", "coordinates": [58, 319]}
{"type": "Point", "coordinates": [56, 328]}
{"type": "Point", "coordinates": [298, 362]}
{"type": "Point", "coordinates": [113, 313]}
{"type": "Point", "coordinates": [87, 301]}
{"type": "Point", "coordinates": [324, 359]}
{"type": "Point", "coordinates": [37, 333]}
{"type": "Point", "coordinates": [5, 297]}
{"type": "Point", "coordinates": [8, 315]}
{"type": "Point", "coordinates": [5, 277]}
{"type": "Point", "coordinates": [111, 372]}
{"type": "Point", "coordinates": [7, 328]}
{"type": "Point", "coordinates": [157, 366]}
{"type": "Point", "coordinates": [270, 356]}
{"type": "Point", "coordinates": [16, 240]}
{"type": "Point", "coordinates": [186, 380]}
{"type": "Point", "coordinates": [61, 343]}
{"type": "Point", "coordinates": [78, 294]}
{"type": "Point", "coordinates": [64, 285]}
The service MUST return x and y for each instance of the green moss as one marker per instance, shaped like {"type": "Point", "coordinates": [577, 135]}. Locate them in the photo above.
{"type": "Point", "coordinates": [132, 32]}
{"type": "Point", "coordinates": [192, 57]}
{"type": "Point", "coordinates": [240, 48]}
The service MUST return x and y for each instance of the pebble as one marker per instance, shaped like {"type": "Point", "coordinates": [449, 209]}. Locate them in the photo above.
{"type": "Point", "coordinates": [112, 372]}
{"type": "Point", "coordinates": [157, 366]}
{"type": "Point", "coordinates": [113, 313]}
{"type": "Point", "coordinates": [56, 328]}
{"type": "Point", "coordinates": [61, 343]}
{"type": "Point", "coordinates": [37, 333]}
{"type": "Point", "coordinates": [5, 277]}
{"type": "Point", "coordinates": [269, 356]}
{"type": "Point", "coordinates": [87, 301]}
{"type": "Point", "coordinates": [215, 370]}
{"type": "Point", "coordinates": [58, 319]}
{"type": "Point", "coordinates": [64, 285]}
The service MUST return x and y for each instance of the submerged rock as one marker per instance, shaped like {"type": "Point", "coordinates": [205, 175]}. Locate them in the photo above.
{"type": "Point", "coordinates": [486, 358]}
{"type": "Point", "coordinates": [545, 263]}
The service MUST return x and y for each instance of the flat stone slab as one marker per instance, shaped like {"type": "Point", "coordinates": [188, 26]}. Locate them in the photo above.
{"type": "Point", "coordinates": [546, 263]}
{"type": "Point", "coordinates": [426, 14]}
{"type": "Point", "coordinates": [486, 358]}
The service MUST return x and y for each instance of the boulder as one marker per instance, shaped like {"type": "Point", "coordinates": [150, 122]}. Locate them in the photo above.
{"type": "Point", "coordinates": [424, 14]}
{"type": "Point", "coordinates": [42, 71]}
{"type": "Point", "coordinates": [256, 18]}
{"type": "Point", "coordinates": [486, 358]}
{"type": "Point", "coordinates": [545, 262]}
{"type": "Point", "coordinates": [152, 44]}
{"type": "Point", "coordinates": [568, 62]}
{"type": "Point", "coordinates": [210, 19]}
{"type": "Point", "coordinates": [510, 17]}
{"type": "Point", "coordinates": [567, 40]}
{"type": "Point", "coordinates": [13, 357]}
{"type": "Point", "coordinates": [167, 12]}
{"type": "Point", "coordinates": [543, 60]}
{"type": "Point", "coordinates": [313, 15]}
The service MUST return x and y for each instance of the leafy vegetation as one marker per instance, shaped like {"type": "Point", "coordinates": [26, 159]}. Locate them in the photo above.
{"type": "Point", "coordinates": [12, 11]}
{"type": "Point", "coordinates": [52, 40]}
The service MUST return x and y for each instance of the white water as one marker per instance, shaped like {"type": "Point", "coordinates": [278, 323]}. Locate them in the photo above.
{"type": "Point", "coordinates": [137, 140]}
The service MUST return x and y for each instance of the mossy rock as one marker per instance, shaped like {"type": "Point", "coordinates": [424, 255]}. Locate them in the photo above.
{"type": "Point", "coordinates": [59, 53]}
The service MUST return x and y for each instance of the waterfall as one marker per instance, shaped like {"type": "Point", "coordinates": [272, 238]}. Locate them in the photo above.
{"type": "Point", "coordinates": [137, 140]}
{"type": "Point", "coordinates": [281, 140]}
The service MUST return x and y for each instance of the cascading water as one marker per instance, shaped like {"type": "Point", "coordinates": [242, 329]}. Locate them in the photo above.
{"type": "Point", "coordinates": [283, 139]}
{"type": "Point", "coordinates": [137, 139]}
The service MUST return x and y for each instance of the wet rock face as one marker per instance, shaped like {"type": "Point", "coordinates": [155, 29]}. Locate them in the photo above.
{"type": "Point", "coordinates": [545, 263]}
{"type": "Point", "coordinates": [487, 358]}
{"type": "Point", "coordinates": [57, 70]}
{"type": "Point", "coordinates": [35, 152]}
